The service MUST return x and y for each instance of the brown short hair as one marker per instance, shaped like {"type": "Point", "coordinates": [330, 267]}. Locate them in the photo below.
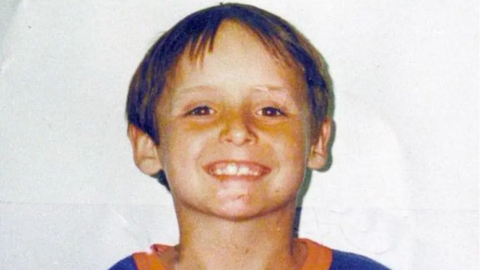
{"type": "Point", "coordinates": [197, 32]}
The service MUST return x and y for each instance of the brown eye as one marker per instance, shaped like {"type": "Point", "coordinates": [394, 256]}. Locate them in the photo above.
{"type": "Point", "coordinates": [271, 112]}
{"type": "Point", "coordinates": [202, 110]}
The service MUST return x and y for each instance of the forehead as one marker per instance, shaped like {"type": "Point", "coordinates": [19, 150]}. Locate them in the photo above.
{"type": "Point", "coordinates": [237, 55]}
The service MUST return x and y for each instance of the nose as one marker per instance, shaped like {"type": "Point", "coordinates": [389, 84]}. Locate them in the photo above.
{"type": "Point", "coordinates": [237, 130]}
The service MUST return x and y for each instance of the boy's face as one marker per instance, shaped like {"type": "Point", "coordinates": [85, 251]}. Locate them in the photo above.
{"type": "Point", "coordinates": [235, 130]}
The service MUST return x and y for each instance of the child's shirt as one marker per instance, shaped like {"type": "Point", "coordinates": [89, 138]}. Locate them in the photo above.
{"type": "Point", "coordinates": [319, 258]}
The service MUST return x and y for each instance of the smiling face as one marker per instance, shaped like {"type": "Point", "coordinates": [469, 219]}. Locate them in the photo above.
{"type": "Point", "coordinates": [235, 130]}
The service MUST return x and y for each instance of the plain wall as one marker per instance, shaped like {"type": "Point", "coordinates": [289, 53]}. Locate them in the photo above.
{"type": "Point", "coordinates": [403, 185]}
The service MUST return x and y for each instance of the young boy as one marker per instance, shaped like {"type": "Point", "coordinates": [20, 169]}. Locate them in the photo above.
{"type": "Point", "coordinates": [232, 105]}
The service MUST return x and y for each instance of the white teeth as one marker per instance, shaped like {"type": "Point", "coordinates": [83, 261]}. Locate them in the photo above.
{"type": "Point", "coordinates": [231, 169]}
{"type": "Point", "coordinates": [243, 170]}
{"type": "Point", "coordinates": [234, 169]}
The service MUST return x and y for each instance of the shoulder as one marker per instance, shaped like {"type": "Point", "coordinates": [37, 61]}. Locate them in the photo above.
{"type": "Point", "coordinates": [127, 263]}
{"type": "Point", "coordinates": [345, 260]}
{"type": "Point", "coordinates": [149, 259]}
{"type": "Point", "coordinates": [322, 257]}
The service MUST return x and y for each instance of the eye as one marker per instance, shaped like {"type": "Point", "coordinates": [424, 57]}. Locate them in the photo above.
{"type": "Point", "coordinates": [271, 112]}
{"type": "Point", "coordinates": [201, 110]}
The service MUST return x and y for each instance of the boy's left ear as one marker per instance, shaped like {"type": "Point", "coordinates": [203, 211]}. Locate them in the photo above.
{"type": "Point", "coordinates": [319, 150]}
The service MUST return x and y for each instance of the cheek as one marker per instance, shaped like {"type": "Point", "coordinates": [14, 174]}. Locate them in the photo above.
{"type": "Point", "coordinates": [183, 144]}
{"type": "Point", "coordinates": [179, 157]}
{"type": "Point", "coordinates": [292, 141]}
{"type": "Point", "coordinates": [293, 160]}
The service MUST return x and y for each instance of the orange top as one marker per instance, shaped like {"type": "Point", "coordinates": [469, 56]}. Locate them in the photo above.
{"type": "Point", "coordinates": [319, 257]}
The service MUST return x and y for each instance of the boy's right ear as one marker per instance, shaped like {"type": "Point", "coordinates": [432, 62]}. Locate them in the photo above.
{"type": "Point", "coordinates": [145, 152]}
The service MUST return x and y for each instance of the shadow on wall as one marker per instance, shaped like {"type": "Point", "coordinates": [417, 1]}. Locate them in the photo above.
{"type": "Point", "coordinates": [308, 179]}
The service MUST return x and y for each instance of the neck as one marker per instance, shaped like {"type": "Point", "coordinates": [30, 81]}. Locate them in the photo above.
{"type": "Point", "coordinates": [209, 242]}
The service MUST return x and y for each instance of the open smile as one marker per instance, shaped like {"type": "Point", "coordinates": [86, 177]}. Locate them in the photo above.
{"type": "Point", "coordinates": [229, 169]}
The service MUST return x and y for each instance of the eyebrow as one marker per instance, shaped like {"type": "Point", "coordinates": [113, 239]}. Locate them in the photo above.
{"type": "Point", "coordinates": [193, 89]}
{"type": "Point", "coordinates": [276, 92]}
{"type": "Point", "coordinates": [270, 88]}
{"type": "Point", "coordinates": [263, 88]}
{"type": "Point", "coordinates": [279, 93]}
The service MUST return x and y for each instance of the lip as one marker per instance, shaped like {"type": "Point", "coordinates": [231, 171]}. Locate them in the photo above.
{"type": "Point", "coordinates": [254, 166]}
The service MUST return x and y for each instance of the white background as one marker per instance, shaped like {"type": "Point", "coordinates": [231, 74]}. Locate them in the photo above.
{"type": "Point", "coordinates": [403, 186]}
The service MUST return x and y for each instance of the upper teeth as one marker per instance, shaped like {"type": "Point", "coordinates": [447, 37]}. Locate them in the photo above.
{"type": "Point", "coordinates": [234, 169]}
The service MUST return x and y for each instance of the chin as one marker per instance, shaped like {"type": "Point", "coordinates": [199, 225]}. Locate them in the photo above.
{"type": "Point", "coordinates": [237, 214]}
{"type": "Point", "coordinates": [240, 212]}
